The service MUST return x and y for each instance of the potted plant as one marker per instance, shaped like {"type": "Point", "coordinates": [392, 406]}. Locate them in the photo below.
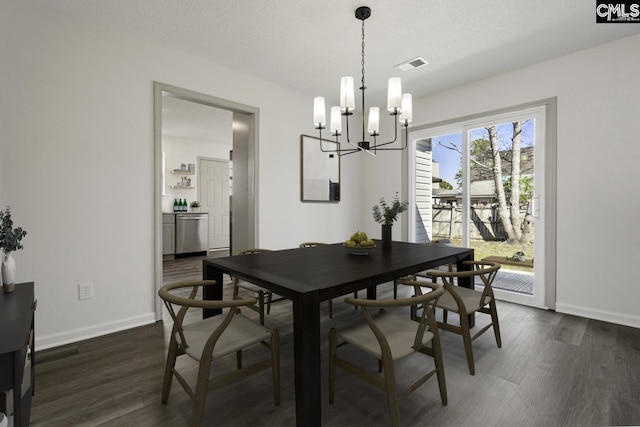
{"type": "Point", "coordinates": [10, 239]}
{"type": "Point", "coordinates": [195, 206]}
{"type": "Point", "coordinates": [386, 214]}
{"type": "Point", "coordinates": [518, 256]}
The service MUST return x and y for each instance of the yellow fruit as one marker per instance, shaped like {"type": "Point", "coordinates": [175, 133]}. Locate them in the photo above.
{"type": "Point", "coordinates": [350, 243]}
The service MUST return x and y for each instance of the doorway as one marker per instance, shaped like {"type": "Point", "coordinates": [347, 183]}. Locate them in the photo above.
{"type": "Point", "coordinates": [491, 186]}
{"type": "Point", "coordinates": [243, 232]}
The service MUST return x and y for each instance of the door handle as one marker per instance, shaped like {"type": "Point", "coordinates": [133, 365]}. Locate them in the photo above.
{"type": "Point", "coordinates": [535, 207]}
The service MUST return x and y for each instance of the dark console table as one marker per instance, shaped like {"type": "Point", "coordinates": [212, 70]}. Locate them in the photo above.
{"type": "Point", "coordinates": [16, 351]}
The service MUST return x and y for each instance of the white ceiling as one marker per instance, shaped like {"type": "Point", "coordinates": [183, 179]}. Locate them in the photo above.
{"type": "Point", "coordinates": [308, 45]}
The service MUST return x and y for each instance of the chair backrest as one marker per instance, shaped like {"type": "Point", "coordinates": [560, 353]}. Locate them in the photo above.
{"type": "Point", "coordinates": [253, 251]}
{"type": "Point", "coordinates": [486, 270]}
{"type": "Point", "coordinates": [427, 300]}
{"type": "Point", "coordinates": [248, 252]}
{"type": "Point", "coordinates": [311, 244]}
{"type": "Point", "coordinates": [172, 300]}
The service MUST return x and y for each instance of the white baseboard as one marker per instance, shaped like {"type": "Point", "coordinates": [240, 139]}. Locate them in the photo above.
{"type": "Point", "coordinates": [55, 340]}
{"type": "Point", "coordinates": [593, 313]}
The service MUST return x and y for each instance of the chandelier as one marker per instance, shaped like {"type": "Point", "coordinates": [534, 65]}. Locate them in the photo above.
{"type": "Point", "coordinates": [398, 105]}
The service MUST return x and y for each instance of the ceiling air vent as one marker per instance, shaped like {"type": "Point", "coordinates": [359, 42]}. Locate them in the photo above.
{"type": "Point", "coordinates": [412, 64]}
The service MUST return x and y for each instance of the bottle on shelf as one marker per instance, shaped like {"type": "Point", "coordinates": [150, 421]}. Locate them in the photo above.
{"type": "Point", "coordinates": [175, 205]}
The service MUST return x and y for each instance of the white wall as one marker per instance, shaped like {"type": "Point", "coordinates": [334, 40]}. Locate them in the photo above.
{"type": "Point", "coordinates": [598, 93]}
{"type": "Point", "coordinates": [76, 162]}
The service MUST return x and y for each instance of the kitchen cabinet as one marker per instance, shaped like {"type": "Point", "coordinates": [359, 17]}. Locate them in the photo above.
{"type": "Point", "coordinates": [168, 234]}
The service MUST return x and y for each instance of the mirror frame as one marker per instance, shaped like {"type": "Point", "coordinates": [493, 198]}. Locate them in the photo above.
{"type": "Point", "coordinates": [308, 143]}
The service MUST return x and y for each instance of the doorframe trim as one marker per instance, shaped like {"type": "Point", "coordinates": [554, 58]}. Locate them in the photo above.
{"type": "Point", "coordinates": [550, 175]}
{"type": "Point", "coordinates": [252, 190]}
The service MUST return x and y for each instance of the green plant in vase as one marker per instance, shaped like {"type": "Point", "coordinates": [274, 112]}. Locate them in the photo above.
{"type": "Point", "coordinates": [386, 214]}
{"type": "Point", "coordinates": [10, 241]}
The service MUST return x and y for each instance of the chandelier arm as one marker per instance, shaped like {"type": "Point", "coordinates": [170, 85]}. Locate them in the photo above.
{"type": "Point", "coordinates": [406, 138]}
{"type": "Point", "coordinates": [395, 138]}
{"type": "Point", "coordinates": [338, 150]}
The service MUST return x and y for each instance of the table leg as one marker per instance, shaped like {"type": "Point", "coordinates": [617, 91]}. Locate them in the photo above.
{"type": "Point", "coordinates": [372, 293]}
{"type": "Point", "coordinates": [467, 283]}
{"type": "Point", "coordinates": [211, 292]}
{"type": "Point", "coordinates": [17, 388]}
{"type": "Point", "coordinates": [306, 351]}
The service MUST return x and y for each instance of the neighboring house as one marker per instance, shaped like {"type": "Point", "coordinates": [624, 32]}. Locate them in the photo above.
{"type": "Point", "coordinates": [482, 193]}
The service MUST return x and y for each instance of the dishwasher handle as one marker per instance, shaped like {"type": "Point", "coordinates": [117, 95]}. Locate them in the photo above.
{"type": "Point", "coordinates": [191, 217]}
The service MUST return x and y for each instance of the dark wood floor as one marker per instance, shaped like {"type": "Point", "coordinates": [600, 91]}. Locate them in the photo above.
{"type": "Point", "coordinates": [553, 370]}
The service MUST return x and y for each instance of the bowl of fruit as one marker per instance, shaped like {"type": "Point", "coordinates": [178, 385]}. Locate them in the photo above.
{"type": "Point", "coordinates": [359, 244]}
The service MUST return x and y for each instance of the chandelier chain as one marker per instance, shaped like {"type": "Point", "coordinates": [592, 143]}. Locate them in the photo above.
{"type": "Point", "coordinates": [362, 61]}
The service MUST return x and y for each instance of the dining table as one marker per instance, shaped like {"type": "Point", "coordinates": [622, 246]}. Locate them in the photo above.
{"type": "Point", "coordinates": [308, 276]}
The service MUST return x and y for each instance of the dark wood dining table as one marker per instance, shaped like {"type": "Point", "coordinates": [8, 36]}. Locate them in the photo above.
{"type": "Point", "coordinates": [308, 276]}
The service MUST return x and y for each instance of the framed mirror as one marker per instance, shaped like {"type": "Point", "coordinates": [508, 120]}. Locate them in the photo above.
{"type": "Point", "coordinates": [319, 170]}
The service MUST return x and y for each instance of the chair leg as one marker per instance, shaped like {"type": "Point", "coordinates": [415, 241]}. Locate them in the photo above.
{"type": "Point", "coordinates": [466, 337]}
{"type": "Point", "coordinates": [355, 295]}
{"type": "Point", "coordinates": [201, 390]}
{"type": "Point", "coordinates": [437, 357]}
{"type": "Point", "coordinates": [239, 359]}
{"type": "Point", "coordinates": [269, 298]}
{"type": "Point", "coordinates": [496, 324]}
{"type": "Point", "coordinates": [275, 368]}
{"type": "Point", "coordinates": [395, 289]}
{"type": "Point", "coordinates": [235, 291]}
{"type": "Point", "coordinates": [261, 306]}
{"type": "Point", "coordinates": [332, 364]}
{"type": "Point", "coordinates": [392, 392]}
{"type": "Point", "coordinates": [172, 354]}
{"type": "Point", "coordinates": [330, 309]}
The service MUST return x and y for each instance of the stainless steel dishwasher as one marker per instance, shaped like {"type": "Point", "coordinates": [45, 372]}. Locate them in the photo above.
{"type": "Point", "coordinates": [192, 233]}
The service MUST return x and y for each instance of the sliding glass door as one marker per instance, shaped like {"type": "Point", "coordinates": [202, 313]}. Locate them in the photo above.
{"type": "Point", "coordinates": [480, 184]}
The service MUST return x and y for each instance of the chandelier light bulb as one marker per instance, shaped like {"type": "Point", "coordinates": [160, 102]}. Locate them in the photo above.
{"type": "Point", "coordinates": [347, 95]}
{"type": "Point", "coordinates": [374, 121]}
{"type": "Point", "coordinates": [336, 121]}
{"type": "Point", "coordinates": [319, 113]}
{"type": "Point", "coordinates": [394, 95]}
{"type": "Point", "coordinates": [407, 109]}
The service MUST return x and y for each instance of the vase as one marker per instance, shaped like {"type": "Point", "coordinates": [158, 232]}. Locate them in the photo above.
{"type": "Point", "coordinates": [386, 236]}
{"type": "Point", "coordinates": [8, 272]}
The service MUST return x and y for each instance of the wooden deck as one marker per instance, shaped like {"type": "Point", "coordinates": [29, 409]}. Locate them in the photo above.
{"type": "Point", "coordinates": [527, 263]}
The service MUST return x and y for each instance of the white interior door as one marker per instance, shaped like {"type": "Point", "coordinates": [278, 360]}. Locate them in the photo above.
{"type": "Point", "coordinates": [213, 189]}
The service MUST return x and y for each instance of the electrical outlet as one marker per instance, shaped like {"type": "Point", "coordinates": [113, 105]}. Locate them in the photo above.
{"type": "Point", "coordinates": [85, 291]}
